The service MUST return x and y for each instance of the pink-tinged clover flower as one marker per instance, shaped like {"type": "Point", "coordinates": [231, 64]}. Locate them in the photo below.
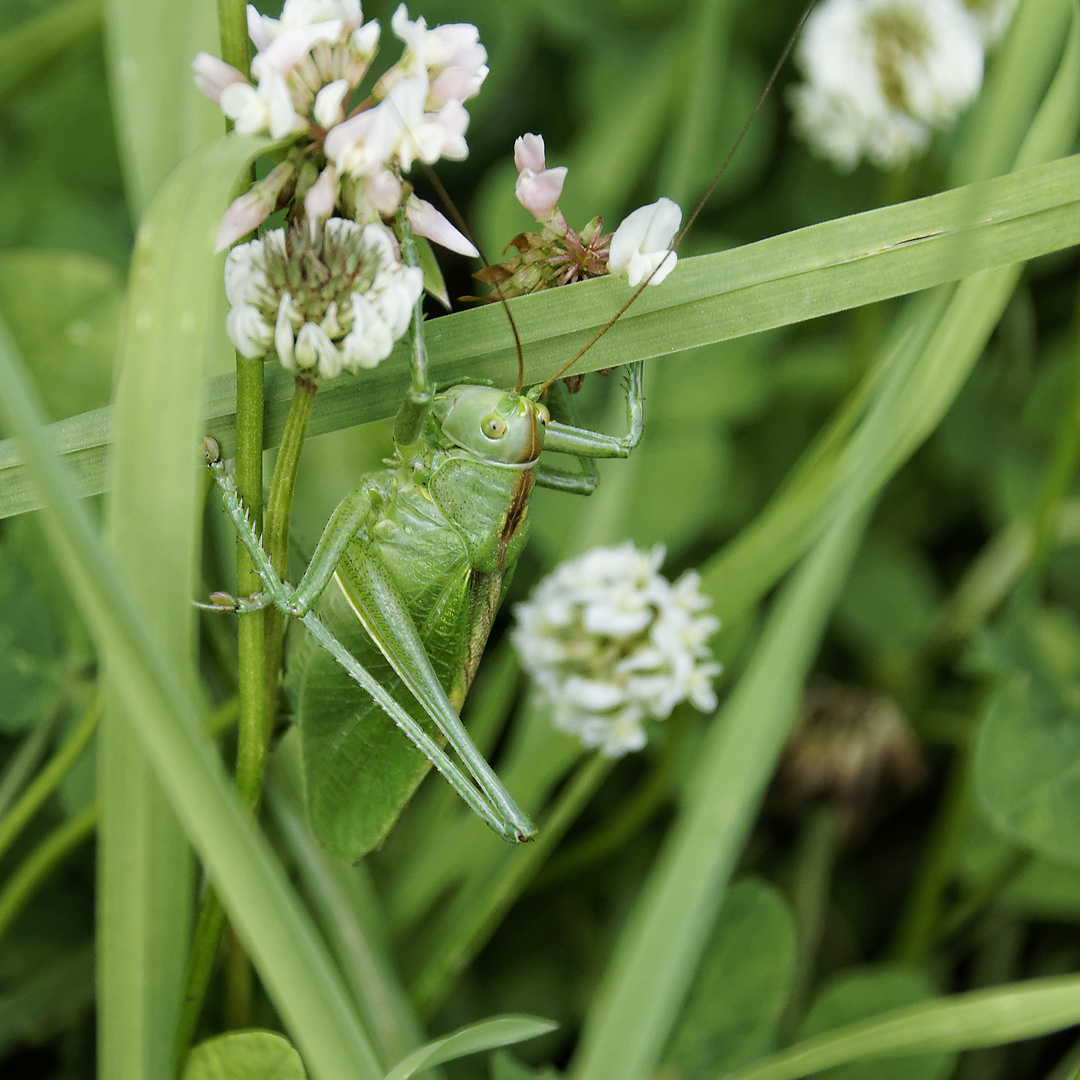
{"type": "Point", "coordinates": [309, 64]}
{"type": "Point", "coordinates": [641, 245]}
{"type": "Point", "coordinates": [538, 188]}
{"type": "Point", "coordinates": [450, 56]}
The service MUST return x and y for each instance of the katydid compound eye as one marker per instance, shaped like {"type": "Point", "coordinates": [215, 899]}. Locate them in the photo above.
{"type": "Point", "coordinates": [543, 415]}
{"type": "Point", "coordinates": [494, 427]}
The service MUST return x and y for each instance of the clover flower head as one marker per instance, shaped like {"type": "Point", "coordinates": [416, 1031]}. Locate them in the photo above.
{"type": "Point", "coordinates": [308, 66]}
{"type": "Point", "coordinates": [325, 298]}
{"type": "Point", "coordinates": [881, 75]}
{"type": "Point", "coordinates": [641, 245]}
{"type": "Point", "coordinates": [610, 642]}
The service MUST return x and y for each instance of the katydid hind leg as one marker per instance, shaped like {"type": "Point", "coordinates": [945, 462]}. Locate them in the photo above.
{"type": "Point", "coordinates": [381, 609]}
{"type": "Point", "coordinates": [495, 807]}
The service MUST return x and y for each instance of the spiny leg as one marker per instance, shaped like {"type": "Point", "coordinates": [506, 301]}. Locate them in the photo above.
{"type": "Point", "coordinates": [494, 806]}
{"type": "Point", "coordinates": [588, 445]}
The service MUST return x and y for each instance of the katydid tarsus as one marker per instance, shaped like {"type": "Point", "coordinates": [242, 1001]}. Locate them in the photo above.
{"type": "Point", "coordinates": [421, 553]}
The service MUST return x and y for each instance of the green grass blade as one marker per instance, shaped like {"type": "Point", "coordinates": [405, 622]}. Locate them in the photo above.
{"type": "Point", "coordinates": [658, 948]}
{"type": "Point", "coordinates": [962, 1022]}
{"type": "Point", "coordinates": [273, 925]}
{"type": "Point", "coordinates": [799, 275]}
{"type": "Point", "coordinates": [486, 1035]}
{"type": "Point", "coordinates": [144, 867]}
{"type": "Point", "coordinates": [160, 116]}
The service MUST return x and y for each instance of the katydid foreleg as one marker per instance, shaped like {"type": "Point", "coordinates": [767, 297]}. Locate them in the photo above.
{"type": "Point", "coordinates": [588, 445]}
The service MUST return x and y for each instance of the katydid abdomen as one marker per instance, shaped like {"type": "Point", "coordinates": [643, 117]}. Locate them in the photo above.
{"type": "Point", "coordinates": [418, 587]}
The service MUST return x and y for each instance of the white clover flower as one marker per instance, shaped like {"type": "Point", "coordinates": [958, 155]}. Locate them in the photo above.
{"type": "Point", "coordinates": [881, 74]}
{"type": "Point", "coordinates": [323, 299]}
{"type": "Point", "coordinates": [641, 245]}
{"type": "Point", "coordinates": [610, 642]}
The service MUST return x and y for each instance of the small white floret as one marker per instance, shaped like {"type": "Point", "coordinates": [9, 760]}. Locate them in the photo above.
{"type": "Point", "coordinates": [609, 642]}
{"type": "Point", "coordinates": [641, 245]}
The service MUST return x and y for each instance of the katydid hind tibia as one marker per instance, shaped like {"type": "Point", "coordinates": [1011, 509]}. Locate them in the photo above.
{"type": "Point", "coordinates": [421, 552]}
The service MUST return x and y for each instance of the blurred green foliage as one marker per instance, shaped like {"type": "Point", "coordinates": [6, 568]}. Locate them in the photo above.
{"type": "Point", "coordinates": [638, 99]}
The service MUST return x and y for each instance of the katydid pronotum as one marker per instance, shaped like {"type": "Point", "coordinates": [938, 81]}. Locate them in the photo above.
{"type": "Point", "coordinates": [422, 552]}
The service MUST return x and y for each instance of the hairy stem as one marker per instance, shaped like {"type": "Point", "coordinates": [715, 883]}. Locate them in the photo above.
{"type": "Point", "coordinates": [276, 535]}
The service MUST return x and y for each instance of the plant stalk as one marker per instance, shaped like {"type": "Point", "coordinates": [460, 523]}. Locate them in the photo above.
{"type": "Point", "coordinates": [815, 860]}
{"type": "Point", "coordinates": [918, 928]}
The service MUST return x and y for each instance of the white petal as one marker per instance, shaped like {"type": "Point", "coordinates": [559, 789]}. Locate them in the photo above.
{"type": "Point", "coordinates": [248, 331]}
{"type": "Point", "coordinates": [640, 245]}
{"type": "Point", "coordinates": [315, 349]}
{"type": "Point", "coordinates": [213, 75]}
{"type": "Point", "coordinates": [329, 103]}
{"type": "Point", "coordinates": [427, 221]}
{"type": "Point", "coordinates": [288, 318]}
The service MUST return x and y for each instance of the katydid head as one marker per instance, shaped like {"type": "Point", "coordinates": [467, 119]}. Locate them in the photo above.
{"type": "Point", "coordinates": [499, 426]}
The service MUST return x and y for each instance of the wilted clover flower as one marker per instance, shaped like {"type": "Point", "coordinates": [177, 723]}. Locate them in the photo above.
{"type": "Point", "coordinates": [609, 642]}
{"type": "Point", "coordinates": [882, 74]}
{"type": "Point", "coordinates": [323, 297]}
{"type": "Point", "coordinates": [848, 744]}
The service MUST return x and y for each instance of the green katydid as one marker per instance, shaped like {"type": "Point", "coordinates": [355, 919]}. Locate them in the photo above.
{"type": "Point", "coordinates": [422, 552]}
